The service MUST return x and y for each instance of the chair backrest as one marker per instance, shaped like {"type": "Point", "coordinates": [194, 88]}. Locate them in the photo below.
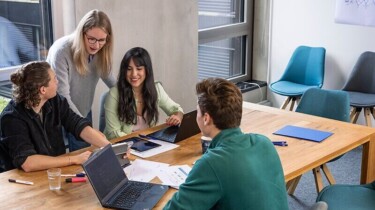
{"type": "Point", "coordinates": [362, 78]}
{"type": "Point", "coordinates": [333, 104]}
{"type": "Point", "coordinates": [102, 112]}
{"type": "Point", "coordinates": [306, 66]}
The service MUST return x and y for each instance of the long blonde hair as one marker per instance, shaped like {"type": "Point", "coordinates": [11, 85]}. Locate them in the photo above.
{"type": "Point", "coordinates": [94, 18]}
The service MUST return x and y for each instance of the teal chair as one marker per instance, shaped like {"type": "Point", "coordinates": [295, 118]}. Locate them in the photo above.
{"type": "Point", "coordinates": [332, 104]}
{"type": "Point", "coordinates": [361, 87]}
{"type": "Point", "coordinates": [348, 197]}
{"type": "Point", "coordinates": [304, 70]}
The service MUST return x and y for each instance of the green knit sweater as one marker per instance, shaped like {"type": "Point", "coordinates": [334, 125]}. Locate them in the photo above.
{"type": "Point", "coordinates": [238, 171]}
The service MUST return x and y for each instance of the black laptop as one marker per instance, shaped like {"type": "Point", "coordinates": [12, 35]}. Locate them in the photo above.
{"type": "Point", "coordinates": [173, 134]}
{"type": "Point", "coordinates": [113, 188]}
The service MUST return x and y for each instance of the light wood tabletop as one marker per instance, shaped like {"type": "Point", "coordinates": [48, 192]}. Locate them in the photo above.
{"type": "Point", "coordinates": [297, 158]}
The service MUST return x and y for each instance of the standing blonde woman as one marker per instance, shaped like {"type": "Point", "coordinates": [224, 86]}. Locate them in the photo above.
{"type": "Point", "coordinates": [79, 60]}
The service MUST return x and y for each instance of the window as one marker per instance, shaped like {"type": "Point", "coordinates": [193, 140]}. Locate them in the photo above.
{"type": "Point", "coordinates": [26, 35]}
{"type": "Point", "coordinates": [225, 38]}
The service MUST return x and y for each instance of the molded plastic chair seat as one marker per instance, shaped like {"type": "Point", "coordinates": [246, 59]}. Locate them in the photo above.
{"type": "Point", "coordinates": [286, 88]}
{"type": "Point", "coordinates": [363, 100]}
{"type": "Point", "coordinates": [361, 87]}
{"type": "Point", "coordinates": [350, 197]}
{"type": "Point", "coordinates": [304, 70]}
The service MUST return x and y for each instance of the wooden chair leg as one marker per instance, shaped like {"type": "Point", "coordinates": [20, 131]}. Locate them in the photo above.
{"type": "Point", "coordinates": [328, 174]}
{"type": "Point", "coordinates": [373, 112]}
{"type": "Point", "coordinates": [292, 185]}
{"type": "Point", "coordinates": [354, 115]}
{"type": "Point", "coordinates": [367, 113]}
{"type": "Point", "coordinates": [352, 112]}
{"type": "Point", "coordinates": [318, 179]}
{"type": "Point", "coordinates": [292, 104]}
{"type": "Point", "coordinates": [285, 103]}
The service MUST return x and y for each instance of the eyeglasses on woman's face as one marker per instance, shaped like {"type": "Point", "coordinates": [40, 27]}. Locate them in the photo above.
{"type": "Point", "coordinates": [93, 40]}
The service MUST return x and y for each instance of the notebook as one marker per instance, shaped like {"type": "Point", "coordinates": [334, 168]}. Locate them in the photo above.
{"type": "Point", "coordinates": [303, 133]}
{"type": "Point", "coordinates": [173, 134]}
{"type": "Point", "coordinates": [112, 186]}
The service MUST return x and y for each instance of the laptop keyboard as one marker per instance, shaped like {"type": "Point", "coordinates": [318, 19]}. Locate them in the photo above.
{"type": "Point", "coordinates": [130, 193]}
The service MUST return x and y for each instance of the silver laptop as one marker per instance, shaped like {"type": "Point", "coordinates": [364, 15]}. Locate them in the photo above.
{"type": "Point", "coordinates": [113, 188]}
{"type": "Point", "coordinates": [174, 134]}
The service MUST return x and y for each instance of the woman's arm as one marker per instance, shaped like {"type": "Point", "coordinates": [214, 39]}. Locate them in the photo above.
{"type": "Point", "coordinates": [171, 108]}
{"type": "Point", "coordinates": [110, 80]}
{"type": "Point", "coordinates": [60, 58]}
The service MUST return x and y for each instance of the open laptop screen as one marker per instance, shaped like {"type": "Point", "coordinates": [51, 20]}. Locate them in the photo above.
{"type": "Point", "coordinates": [103, 175]}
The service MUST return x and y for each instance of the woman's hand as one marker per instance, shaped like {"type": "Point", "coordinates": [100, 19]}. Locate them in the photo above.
{"type": "Point", "coordinates": [174, 119]}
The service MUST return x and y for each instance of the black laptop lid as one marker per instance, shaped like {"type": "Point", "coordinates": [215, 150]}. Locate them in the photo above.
{"type": "Point", "coordinates": [104, 172]}
{"type": "Point", "coordinates": [188, 127]}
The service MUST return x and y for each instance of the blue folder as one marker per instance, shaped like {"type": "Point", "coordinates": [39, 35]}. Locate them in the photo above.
{"type": "Point", "coordinates": [303, 133]}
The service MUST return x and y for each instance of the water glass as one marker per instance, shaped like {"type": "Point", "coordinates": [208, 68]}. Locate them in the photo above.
{"type": "Point", "coordinates": [54, 178]}
{"type": "Point", "coordinates": [206, 141]}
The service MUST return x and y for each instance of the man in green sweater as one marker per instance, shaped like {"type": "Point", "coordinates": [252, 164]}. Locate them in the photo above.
{"type": "Point", "coordinates": [238, 171]}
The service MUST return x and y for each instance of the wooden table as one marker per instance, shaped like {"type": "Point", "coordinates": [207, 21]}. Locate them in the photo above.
{"type": "Point", "coordinates": [299, 157]}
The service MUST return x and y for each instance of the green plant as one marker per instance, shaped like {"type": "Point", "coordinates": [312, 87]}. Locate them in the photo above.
{"type": "Point", "coordinates": [3, 102]}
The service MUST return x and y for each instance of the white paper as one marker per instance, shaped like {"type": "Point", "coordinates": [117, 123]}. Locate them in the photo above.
{"type": "Point", "coordinates": [174, 176]}
{"type": "Point", "coordinates": [165, 146]}
{"type": "Point", "coordinates": [144, 170]}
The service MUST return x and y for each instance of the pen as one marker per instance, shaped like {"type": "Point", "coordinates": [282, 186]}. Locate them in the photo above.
{"type": "Point", "coordinates": [74, 175]}
{"type": "Point", "coordinates": [20, 181]}
{"type": "Point", "coordinates": [282, 144]}
{"type": "Point", "coordinates": [182, 170]}
{"type": "Point", "coordinates": [147, 137]}
{"type": "Point", "coordinates": [143, 136]}
{"type": "Point", "coordinates": [279, 141]}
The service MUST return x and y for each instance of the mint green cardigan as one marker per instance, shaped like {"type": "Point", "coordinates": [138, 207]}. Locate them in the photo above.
{"type": "Point", "coordinates": [238, 171]}
{"type": "Point", "coordinates": [115, 128]}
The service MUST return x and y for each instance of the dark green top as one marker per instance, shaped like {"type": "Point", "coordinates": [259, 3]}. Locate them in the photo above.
{"type": "Point", "coordinates": [238, 171]}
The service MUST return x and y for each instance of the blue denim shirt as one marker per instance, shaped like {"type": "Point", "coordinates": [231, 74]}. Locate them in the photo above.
{"type": "Point", "coordinates": [23, 134]}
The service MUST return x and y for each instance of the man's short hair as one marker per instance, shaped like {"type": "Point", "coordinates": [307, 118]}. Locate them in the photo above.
{"type": "Point", "coordinates": [222, 100]}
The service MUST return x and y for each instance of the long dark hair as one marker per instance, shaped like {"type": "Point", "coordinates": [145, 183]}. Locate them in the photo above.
{"type": "Point", "coordinates": [127, 110]}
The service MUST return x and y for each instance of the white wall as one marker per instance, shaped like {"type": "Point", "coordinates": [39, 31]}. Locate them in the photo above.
{"type": "Point", "coordinates": [166, 28]}
{"type": "Point", "coordinates": [311, 22]}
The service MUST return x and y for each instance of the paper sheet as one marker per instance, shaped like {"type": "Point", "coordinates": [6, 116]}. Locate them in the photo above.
{"type": "Point", "coordinates": [174, 176]}
{"type": "Point", "coordinates": [144, 170]}
{"type": "Point", "coordinates": [165, 146]}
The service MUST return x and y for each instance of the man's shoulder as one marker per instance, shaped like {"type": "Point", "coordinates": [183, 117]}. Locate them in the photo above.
{"type": "Point", "coordinates": [14, 111]}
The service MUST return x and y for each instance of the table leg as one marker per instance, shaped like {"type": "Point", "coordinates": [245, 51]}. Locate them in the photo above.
{"type": "Point", "coordinates": [368, 161]}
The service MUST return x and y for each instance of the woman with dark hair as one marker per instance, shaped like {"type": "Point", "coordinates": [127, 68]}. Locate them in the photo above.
{"type": "Point", "coordinates": [30, 125]}
{"type": "Point", "coordinates": [133, 104]}
{"type": "Point", "coordinates": [80, 60]}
